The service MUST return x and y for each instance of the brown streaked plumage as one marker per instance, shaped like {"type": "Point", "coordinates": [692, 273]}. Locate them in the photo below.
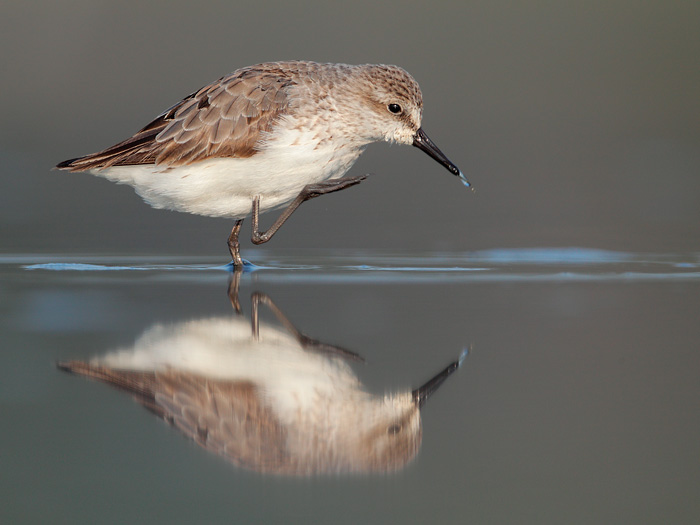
{"type": "Point", "coordinates": [223, 119]}
{"type": "Point", "coordinates": [224, 417]}
{"type": "Point", "coordinates": [266, 136]}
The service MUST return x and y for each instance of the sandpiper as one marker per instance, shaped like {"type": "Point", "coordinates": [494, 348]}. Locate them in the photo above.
{"type": "Point", "coordinates": [266, 136]}
{"type": "Point", "coordinates": [270, 400]}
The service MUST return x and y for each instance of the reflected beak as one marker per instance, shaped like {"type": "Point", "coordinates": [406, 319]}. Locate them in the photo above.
{"type": "Point", "coordinates": [423, 392]}
{"type": "Point", "coordinates": [423, 142]}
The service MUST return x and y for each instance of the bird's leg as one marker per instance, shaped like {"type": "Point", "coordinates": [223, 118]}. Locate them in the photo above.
{"type": "Point", "coordinates": [309, 192]}
{"type": "Point", "coordinates": [233, 286]}
{"type": "Point", "coordinates": [233, 246]}
{"type": "Point", "coordinates": [304, 340]}
{"type": "Point", "coordinates": [258, 297]}
{"type": "Point", "coordinates": [254, 315]}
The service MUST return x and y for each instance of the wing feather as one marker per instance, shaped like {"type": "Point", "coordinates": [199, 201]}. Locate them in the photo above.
{"type": "Point", "coordinates": [227, 118]}
{"type": "Point", "coordinates": [227, 418]}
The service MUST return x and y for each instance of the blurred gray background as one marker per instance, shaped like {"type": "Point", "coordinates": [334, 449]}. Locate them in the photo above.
{"type": "Point", "coordinates": [578, 122]}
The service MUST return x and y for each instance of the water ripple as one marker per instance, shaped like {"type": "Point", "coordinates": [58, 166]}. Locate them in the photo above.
{"type": "Point", "coordinates": [508, 265]}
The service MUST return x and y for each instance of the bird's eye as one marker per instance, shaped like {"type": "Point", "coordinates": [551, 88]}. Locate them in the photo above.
{"type": "Point", "coordinates": [394, 108]}
{"type": "Point", "coordinates": [393, 429]}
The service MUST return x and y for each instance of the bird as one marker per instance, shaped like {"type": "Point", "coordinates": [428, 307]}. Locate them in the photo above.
{"type": "Point", "coordinates": [265, 137]}
{"type": "Point", "coordinates": [266, 398]}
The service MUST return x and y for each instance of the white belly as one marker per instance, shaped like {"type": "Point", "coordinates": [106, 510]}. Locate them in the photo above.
{"type": "Point", "coordinates": [226, 187]}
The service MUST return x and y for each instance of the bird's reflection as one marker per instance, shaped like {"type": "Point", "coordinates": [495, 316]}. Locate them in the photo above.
{"type": "Point", "coordinates": [268, 399]}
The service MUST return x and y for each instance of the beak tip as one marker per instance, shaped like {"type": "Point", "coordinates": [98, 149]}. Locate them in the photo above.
{"type": "Point", "coordinates": [462, 357]}
{"type": "Point", "coordinates": [423, 392]}
{"type": "Point", "coordinates": [464, 180]}
{"type": "Point", "coordinates": [422, 142]}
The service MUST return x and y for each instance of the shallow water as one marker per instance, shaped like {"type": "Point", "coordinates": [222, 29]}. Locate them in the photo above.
{"type": "Point", "coordinates": [577, 402]}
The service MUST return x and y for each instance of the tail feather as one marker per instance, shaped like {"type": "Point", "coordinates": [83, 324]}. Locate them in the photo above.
{"type": "Point", "coordinates": [139, 384]}
{"type": "Point", "coordinates": [135, 150]}
{"type": "Point", "coordinates": [68, 164]}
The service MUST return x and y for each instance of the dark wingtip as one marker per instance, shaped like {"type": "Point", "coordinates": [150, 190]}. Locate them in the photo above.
{"type": "Point", "coordinates": [65, 366]}
{"type": "Point", "coordinates": [66, 164]}
{"type": "Point", "coordinates": [79, 368]}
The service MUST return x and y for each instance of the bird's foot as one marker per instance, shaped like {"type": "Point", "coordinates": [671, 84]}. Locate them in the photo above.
{"type": "Point", "coordinates": [329, 186]}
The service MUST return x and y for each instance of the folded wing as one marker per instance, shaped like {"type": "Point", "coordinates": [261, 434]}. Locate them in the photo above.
{"type": "Point", "coordinates": [227, 118]}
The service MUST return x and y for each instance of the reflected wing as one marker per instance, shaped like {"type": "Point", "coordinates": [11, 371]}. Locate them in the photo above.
{"type": "Point", "coordinates": [227, 418]}
{"type": "Point", "coordinates": [227, 118]}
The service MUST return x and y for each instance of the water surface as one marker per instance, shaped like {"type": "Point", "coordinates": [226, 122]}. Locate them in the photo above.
{"type": "Point", "coordinates": [577, 401]}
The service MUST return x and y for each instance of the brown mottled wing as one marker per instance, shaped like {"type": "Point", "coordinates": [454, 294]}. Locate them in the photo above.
{"type": "Point", "coordinates": [224, 119]}
{"type": "Point", "coordinates": [224, 417]}
{"type": "Point", "coordinates": [227, 418]}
